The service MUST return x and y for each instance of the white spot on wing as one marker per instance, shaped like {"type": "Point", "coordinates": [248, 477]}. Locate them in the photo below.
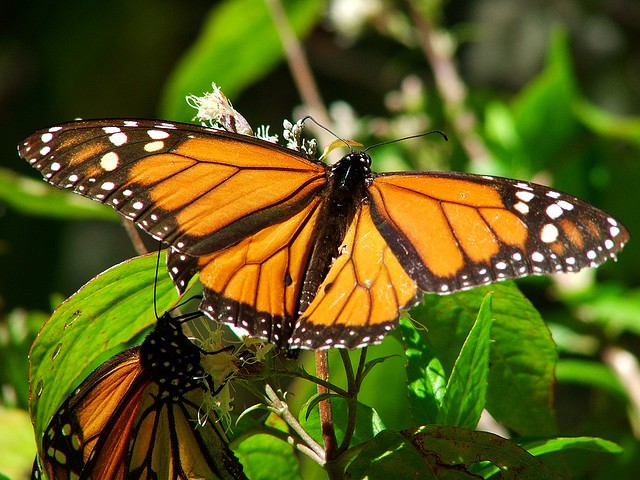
{"type": "Point", "coordinates": [554, 211]}
{"type": "Point", "coordinates": [109, 161]}
{"type": "Point", "coordinates": [46, 137]}
{"type": "Point", "coordinates": [522, 208]}
{"type": "Point", "coordinates": [565, 205]}
{"type": "Point", "coordinates": [118, 139]}
{"type": "Point", "coordinates": [549, 233]}
{"type": "Point", "coordinates": [157, 134]}
{"type": "Point", "coordinates": [537, 257]}
{"type": "Point", "coordinates": [524, 196]}
{"type": "Point", "coordinates": [154, 146]}
{"type": "Point", "coordinates": [524, 186]}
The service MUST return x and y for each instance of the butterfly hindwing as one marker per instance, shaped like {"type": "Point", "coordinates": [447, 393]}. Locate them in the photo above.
{"type": "Point", "coordinates": [255, 284]}
{"type": "Point", "coordinates": [358, 303]}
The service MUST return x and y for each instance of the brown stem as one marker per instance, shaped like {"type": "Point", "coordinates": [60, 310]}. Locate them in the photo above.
{"type": "Point", "coordinates": [326, 416]}
{"type": "Point", "coordinates": [300, 70]}
{"type": "Point", "coordinates": [451, 88]}
{"type": "Point", "coordinates": [135, 237]}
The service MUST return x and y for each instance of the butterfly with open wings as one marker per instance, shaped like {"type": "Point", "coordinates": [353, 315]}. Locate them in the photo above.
{"type": "Point", "coordinates": [310, 255]}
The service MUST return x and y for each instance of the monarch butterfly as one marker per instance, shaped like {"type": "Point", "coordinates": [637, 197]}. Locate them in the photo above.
{"type": "Point", "coordinates": [308, 255]}
{"type": "Point", "coordinates": [136, 416]}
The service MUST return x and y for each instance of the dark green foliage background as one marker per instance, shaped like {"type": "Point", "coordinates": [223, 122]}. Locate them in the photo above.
{"type": "Point", "coordinates": [570, 112]}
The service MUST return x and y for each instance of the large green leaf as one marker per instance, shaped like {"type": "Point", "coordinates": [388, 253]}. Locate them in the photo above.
{"type": "Point", "coordinates": [443, 453]}
{"type": "Point", "coordinates": [237, 46]}
{"type": "Point", "coordinates": [523, 355]}
{"type": "Point", "coordinates": [34, 197]}
{"type": "Point", "coordinates": [467, 385]}
{"type": "Point", "coordinates": [388, 455]}
{"type": "Point", "coordinates": [91, 325]}
{"type": "Point", "coordinates": [426, 378]}
{"type": "Point", "coordinates": [265, 457]}
{"type": "Point", "coordinates": [453, 447]}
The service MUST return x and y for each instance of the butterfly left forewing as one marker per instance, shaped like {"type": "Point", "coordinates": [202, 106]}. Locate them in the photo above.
{"type": "Point", "coordinates": [197, 188]}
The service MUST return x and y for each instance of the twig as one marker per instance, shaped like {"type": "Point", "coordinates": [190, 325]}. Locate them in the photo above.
{"type": "Point", "coordinates": [135, 237]}
{"type": "Point", "coordinates": [324, 407]}
{"type": "Point", "coordinates": [282, 409]}
{"type": "Point", "coordinates": [451, 88]}
{"type": "Point", "coordinates": [300, 70]}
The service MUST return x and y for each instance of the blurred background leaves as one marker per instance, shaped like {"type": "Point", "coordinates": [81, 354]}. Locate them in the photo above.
{"type": "Point", "coordinates": [545, 91]}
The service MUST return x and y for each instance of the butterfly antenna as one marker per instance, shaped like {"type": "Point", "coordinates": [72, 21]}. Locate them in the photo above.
{"type": "Point", "coordinates": [444, 135]}
{"type": "Point", "coordinates": [309, 117]}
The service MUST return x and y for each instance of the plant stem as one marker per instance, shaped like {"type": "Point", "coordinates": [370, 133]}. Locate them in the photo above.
{"type": "Point", "coordinates": [135, 237]}
{"type": "Point", "coordinates": [452, 89]}
{"type": "Point", "coordinates": [326, 416]}
{"type": "Point", "coordinates": [281, 408]}
{"type": "Point", "coordinates": [299, 68]}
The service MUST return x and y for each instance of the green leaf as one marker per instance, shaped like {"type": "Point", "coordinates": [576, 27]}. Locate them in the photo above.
{"type": "Point", "coordinates": [456, 447]}
{"type": "Point", "coordinates": [265, 457]}
{"type": "Point", "coordinates": [521, 379]}
{"type": "Point", "coordinates": [35, 197]}
{"type": "Point", "coordinates": [543, 111]}
{"type": "Point", "coordinates": [426, 378]}
{"type": "Point", "coordinates": [523, 360]}
{"type": "Point", "coordinates": [388, 455]}
{"type": "Point", "coordinates": [90, 326]}
{"type": "Point", "coordinates": [237, 46]}
{"type": "Point", "coordinates": [467, 386]}
{"type": "Point", "coordinates": [542, 446]}
{"type": "Point", "coordinates": [368, 367]}
{"type": "Point", "coordinates": [605, 124]}
{"type": "Point", "coordinates": [368, 422]}
{"type": "Point", "coordinates": [591, 374]}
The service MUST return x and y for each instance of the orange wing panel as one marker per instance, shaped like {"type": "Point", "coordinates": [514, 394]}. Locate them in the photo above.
{"type": "Point", "coordinates": [262, 274]}
{"type": "Point", "coordinates": [359, 300]}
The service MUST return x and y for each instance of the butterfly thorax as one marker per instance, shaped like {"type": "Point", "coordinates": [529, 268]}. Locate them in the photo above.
{"type": "Point", "coordinates": [349, 178]}
{"type": "Point", "coordinates": [171, 359]}
{"type": "Point", "coordinates": [344, 192]}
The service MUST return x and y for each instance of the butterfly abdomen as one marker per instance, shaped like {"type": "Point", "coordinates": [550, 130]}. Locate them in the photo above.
{"type": "Point", "coordinates": [348, 181]}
